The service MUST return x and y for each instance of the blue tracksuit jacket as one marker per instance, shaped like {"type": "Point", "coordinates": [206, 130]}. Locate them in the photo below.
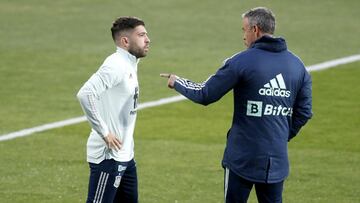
{"type": "Point", "coordinates": [272, 101]}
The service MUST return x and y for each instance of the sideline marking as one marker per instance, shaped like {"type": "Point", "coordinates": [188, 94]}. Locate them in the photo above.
{"type": "Point", "coordinates": [71, 121]}
{"type": "Point", "coordinates": [168, 100]}
{"type": "Point", "coordinates": [333, 63]}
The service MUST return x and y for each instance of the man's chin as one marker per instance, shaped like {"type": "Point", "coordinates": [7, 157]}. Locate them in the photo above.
{"type": "Point", "coordinates": [138, 54]}
{"type": "Point", "coordinates": [144, 53]}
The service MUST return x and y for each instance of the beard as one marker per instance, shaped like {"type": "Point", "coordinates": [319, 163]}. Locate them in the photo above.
{"type": "Point", "coordinates": [138, 52]}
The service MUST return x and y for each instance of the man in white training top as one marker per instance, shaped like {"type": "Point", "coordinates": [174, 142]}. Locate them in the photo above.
{"type": "Point", "coordinates": [109, 101]}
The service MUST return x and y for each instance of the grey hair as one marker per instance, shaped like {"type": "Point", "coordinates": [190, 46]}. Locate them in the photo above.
{"type": "Point", "coordinates": [261, 17]}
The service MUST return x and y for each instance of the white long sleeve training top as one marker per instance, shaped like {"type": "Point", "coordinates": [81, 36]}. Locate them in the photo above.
{"type": "Point", "coordinates": [109, 101]}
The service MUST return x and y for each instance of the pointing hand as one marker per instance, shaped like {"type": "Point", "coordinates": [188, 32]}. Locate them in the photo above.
{"type": "Point", "coordinates": [171, 79]}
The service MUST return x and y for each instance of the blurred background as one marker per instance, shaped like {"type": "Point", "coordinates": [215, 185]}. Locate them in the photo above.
{"type": "Point", "coordinates": [49, 49]}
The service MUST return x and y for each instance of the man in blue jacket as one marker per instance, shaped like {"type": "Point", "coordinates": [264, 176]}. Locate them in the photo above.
{"type": "Point", "coordinates": [272, 101]}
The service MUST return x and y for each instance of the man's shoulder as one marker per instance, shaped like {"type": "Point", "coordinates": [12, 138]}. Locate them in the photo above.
{"type": "Point", "coordinates": [241, 56]}
{"type": "Point", "coordinates": [295, 57]}
{"type": "Point", "coordinates": [115, 61]}
{"type": "Point", "coordinates": [253, 53]}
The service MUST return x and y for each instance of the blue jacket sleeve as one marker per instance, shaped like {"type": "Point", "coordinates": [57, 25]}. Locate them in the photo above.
{"type": "Point", "coordinates": [212, 89]}
{"type": "Point", "coordinates": [302, 108]}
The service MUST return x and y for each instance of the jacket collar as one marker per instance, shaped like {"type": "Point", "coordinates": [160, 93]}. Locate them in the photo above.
{"type": "Point", "coordinates": [269, 43]}
{"type": "Point", "coordinates": [125, 53]}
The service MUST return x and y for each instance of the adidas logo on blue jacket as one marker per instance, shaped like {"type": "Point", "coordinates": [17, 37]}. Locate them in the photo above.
{"type": "Point", "coordinates": [276, 87]}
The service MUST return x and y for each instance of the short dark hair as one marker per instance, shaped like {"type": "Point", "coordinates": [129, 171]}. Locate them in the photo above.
{"type": "Point", "coordinates": [261, 17]}
{"type": "Point", "coordinates": [124, 24]}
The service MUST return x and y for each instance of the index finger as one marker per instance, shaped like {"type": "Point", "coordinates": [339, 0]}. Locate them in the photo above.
{"type": "Point", "coordinates": [165, 75]}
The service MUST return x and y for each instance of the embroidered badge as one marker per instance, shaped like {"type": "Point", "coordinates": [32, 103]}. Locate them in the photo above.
{"type": "Point", "coordinates": [121, 168]}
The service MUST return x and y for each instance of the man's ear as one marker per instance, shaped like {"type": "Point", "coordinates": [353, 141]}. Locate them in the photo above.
{"type": "Point", "coordinates": [124, 41]}
{"type": "Point", "coordinates": [257, 31]}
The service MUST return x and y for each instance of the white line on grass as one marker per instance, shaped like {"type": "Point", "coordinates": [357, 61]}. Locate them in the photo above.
{"type": "Point", "coordinates": [71, 121]}
{"type": "Point", "coordinates": [333, 63]}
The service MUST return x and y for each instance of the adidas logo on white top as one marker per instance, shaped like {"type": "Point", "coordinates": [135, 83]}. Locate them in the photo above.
{"type": "Point", "coordinates": [276, 88]}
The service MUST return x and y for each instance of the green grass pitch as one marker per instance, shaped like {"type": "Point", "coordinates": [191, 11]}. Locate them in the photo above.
{"type": "Point", "coordinates": [49, 48]}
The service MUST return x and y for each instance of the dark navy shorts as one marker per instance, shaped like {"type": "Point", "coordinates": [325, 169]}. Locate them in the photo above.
{"type": "Point", "coordinates": [237, 189]}
{"type": "Point", "coordinates": [113, 181]}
